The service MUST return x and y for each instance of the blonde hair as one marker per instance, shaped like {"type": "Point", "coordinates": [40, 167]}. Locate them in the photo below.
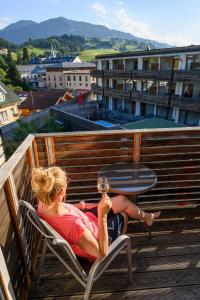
{"type": "Point", "coordinates": [48, 183]}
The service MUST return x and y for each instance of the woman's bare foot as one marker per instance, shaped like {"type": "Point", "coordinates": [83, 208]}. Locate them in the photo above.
{"type": "Point", "coordinates": [149, 217]}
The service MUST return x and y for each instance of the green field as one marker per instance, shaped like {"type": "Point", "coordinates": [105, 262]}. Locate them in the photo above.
{"type": "Point", "coordinates": [89, 55]}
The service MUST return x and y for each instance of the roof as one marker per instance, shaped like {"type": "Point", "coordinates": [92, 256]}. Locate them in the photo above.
{"type": "Point", "coordinates": [151, 123]}
{"type": "Point", "coordinates": [30, 68]}
{"type": "Point", "coordinates": [162, 51]}
{"type": "Point", "coordinates": [66, 65]}
{"type": "Point", "coordinates": [40, 99]}
{"type": "Point", "coordinates": [7, 97]}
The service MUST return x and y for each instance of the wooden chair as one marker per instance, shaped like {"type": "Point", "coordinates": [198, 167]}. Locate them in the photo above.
{"type": "Point", "coordinates": [53, 241]}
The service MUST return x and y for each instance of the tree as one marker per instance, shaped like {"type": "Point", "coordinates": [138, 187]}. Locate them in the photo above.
{"type": "Point", "coordinates": [9, 57]}
{"type": "Point", "coordinates": [3, 64]}
{"type": "Point", "coordinates": [20, 133]}
{"type": "Point", "coordinates": [25, 56]}
{"type": "Point", "coordinates": [19, 58]}
{"type": "Point", "coordinates": [13, 74]}
{"type": "Point", "coordinates": [2, 73]}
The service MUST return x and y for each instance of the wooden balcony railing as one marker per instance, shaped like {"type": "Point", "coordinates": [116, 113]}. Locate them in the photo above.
{"type": "Point", "coordinates": [151, 74]}
{"type": "Point", "coordinates": [149, 98]}
{"type": "Point", "coordinates": [117, 93]}
{"type": "Point", "coordinates": [173, 154]}
{"type": "Point", "coordinates": [188, 76]}
{"type": "Point", "coordinates": [186, 103]}
{"type": "Point", "coordinates": [133, 74]}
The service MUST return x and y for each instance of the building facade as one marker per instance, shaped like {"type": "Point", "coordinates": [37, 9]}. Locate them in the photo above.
{"type": "Point", "coordinates": [34, 75]}
{"type": "Point", "coordinates": [161, 82]}
{"type": "Point", "coordinates": [70, 76]}
{"type": "Point", "coordinates": [9, 101]}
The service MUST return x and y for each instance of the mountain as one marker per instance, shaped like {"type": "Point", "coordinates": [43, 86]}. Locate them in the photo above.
{"type": "Point", "coordinates": [21, 31]}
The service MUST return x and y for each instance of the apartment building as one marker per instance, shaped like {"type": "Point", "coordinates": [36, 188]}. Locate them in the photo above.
{"type": "Point", "coordinates": [161, 82]}
{"type": "Point", "coordinates": [70, 76]}
{"type": "Point", "coordinates": [9, 101]}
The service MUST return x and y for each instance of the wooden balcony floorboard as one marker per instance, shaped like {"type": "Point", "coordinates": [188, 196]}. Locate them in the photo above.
{"type": "Point", "coordinates": [166, 267]}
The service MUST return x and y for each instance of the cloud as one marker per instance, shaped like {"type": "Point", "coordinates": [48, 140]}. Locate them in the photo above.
{"type": "Point", "coordinates": [4, 21]}
{"type": "Point", "coordinates": [120, 2]}
{"type": "Point", "coordinates": [141, 29]}
{"type": "Point", "coordinates": [99, 9]}
{"type": "Point", "coordinates": [128, 24]}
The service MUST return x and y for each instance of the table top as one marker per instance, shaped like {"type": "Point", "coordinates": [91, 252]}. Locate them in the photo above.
{"type": "Point", "coordinates": [129, 178]}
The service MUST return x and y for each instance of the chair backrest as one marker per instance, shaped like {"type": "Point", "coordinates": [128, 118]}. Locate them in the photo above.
{"type": "Point", "coordinates": [53, 237]}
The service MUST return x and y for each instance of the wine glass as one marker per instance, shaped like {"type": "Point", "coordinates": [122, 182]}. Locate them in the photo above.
{"type": "Point", "coordinates": [103, 185]}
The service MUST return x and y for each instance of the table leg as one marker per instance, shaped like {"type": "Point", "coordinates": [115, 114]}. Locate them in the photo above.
{"type": "Point", "coordinates": [133, 199]}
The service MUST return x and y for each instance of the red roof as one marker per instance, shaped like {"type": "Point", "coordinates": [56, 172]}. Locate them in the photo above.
{"type": "Point", "coordinates": [41, 99]}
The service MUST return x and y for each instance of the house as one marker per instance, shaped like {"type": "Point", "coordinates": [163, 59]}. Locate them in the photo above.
{"type": "Point", "coordinates": [71, 76]}
{"type": "Point", "coordinates": [34, 75]}
{"type": "Point", "coordinates": [34, 101]}
{"type": "Point", "coordinates": [160, 82]}
{"type": "Point", "coordinates": [8, 105]}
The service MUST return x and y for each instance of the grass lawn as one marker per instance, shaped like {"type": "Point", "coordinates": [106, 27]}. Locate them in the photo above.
{"type": "Point", "coordinates": [89, 55]}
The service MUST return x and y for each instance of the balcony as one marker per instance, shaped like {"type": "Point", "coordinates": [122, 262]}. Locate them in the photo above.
{"type": "Point", "coordinates": [123, 74]}
{"type": "Point", "coordinates": [192, 104]}
{"type": "Point", "coordinates": [150, 74]}
{"type": "Point", "coordinates": [164, 267]}
{"type": "Point", "coordinates": [150, 98]}
{"type": "Point", "coordinates": [117, 93]}
{"type": "Point", "coordinates": [96, 73]}
{"type": "Point", "coordinates": [187, 76]}
{"type": "Point", "coordinates": [133, 74]}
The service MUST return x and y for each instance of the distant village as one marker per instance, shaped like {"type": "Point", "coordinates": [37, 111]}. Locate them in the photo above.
{"type": "Point", "coordinates": [50, 81]}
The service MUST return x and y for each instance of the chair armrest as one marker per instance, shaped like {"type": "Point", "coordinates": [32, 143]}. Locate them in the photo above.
{"type": "Point", "coordinates": [101, 264]}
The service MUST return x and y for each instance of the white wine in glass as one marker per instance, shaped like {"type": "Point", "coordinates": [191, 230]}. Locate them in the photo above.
{"type": "Point", "coordinates": [103, 185]}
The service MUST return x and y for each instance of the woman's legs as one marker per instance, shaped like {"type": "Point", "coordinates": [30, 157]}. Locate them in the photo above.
{"type": "Point", "coordinates": [122, 204]}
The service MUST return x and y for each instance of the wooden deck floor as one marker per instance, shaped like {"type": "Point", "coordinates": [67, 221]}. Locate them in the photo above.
{"type": "Point", "coordinates": [166, 267]}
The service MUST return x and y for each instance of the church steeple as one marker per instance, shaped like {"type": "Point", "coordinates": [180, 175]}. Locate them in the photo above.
{"type": "Point", "coordinates": [52, 52]}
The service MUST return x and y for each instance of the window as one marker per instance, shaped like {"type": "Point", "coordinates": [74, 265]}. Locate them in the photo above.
{"type": "Point", "coordinates": [60, 83]}
{"type": "Point", "coordinates": [49, 78]}
{"type": "Point", "coordinates": [80, 78]}
{"type": "Point", "coordinates": [55, 85]}
{"type": "Point", "coordinates": [86, 84]}
{"type": "Point", "coordinates": [74, 78]}
{"type": "Point", "coordinates": [3, 116]}
{"type": "Point", "coordinates": [60, 78]}
{"type": "Point", "coordinates": [68, 78]}
{"type": "Point", "coordinates": [54, 78]}
{"type": "Point", "coordinates": [80, 84]}
{"type": "Point", "coordinates": [12, 111]}
{"type": "Point", "coordinates": [86, 78]}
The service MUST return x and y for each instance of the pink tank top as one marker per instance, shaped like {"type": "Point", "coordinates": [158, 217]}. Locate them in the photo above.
{"type": "Point", "coordinates": [72, 225]}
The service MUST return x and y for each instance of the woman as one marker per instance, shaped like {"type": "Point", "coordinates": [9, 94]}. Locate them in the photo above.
{"type": "Point", "coordinates": [88, 227]}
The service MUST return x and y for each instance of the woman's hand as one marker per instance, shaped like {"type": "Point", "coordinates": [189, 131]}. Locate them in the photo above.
{"type": "Point", "coordinates": [104, 205]}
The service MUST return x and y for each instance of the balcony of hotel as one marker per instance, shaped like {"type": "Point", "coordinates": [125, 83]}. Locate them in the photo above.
{"type": "Point", "coordinates": [133, 74]}
{"type": "Point", "coordinates": [187, 75]}
{"type": "Point", "coordinates": [164, 267]}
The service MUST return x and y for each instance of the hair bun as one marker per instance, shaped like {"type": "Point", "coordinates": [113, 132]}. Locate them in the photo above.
{"type": "Point", "coordinates": [42, 180]}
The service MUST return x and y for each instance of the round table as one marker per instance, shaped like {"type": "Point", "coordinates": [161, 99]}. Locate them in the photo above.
{"type": "Point", "coordinates": [129, 178]}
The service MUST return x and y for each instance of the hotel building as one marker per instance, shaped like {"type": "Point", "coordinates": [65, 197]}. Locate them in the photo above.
{"type": "Point", "coordinates": [161, 82]}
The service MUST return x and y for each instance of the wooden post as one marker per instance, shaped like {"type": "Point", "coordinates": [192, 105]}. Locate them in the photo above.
{"type": "Point", "coordinates": [6, 289]}
{"type": "Point", "coordinates": [50, 151]}
{"type": "Point", "coordinates": [12, 201]}
{"type": "Point", "coordinates": [137, 146]}
{"type": "Point", "coordinates": [31, 156]}
{"type": "Point", "coordinates": [35, 153]}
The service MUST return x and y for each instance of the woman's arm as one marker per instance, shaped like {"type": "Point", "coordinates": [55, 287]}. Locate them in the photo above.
{"type": "Point", "coordinates": [87, 205]}
{"type": "Point", "coordinates": [98, 248]}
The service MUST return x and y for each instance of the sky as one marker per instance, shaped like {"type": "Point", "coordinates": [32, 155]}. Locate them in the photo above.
{"type": "Point", "coordinates": [175, 22]}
